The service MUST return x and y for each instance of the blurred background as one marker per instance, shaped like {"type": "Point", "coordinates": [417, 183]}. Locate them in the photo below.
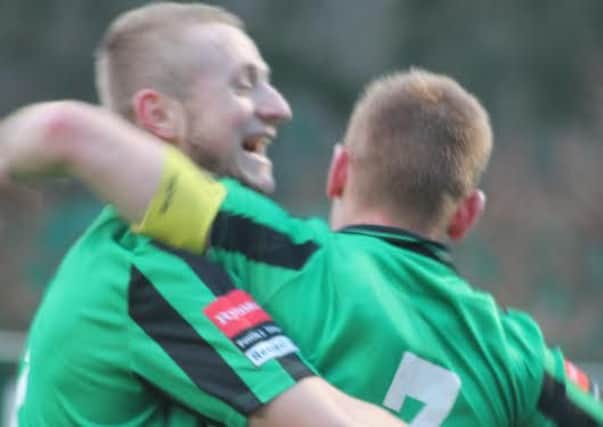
{"type": "Point", "coordinates": [537, 67]}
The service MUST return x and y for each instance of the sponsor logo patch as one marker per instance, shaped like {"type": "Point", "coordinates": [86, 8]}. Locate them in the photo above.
{"type": "Point", "coordinates": [249, 327]}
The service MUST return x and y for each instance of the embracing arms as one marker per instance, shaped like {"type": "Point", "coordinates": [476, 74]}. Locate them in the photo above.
{"type": "Point", "coordinates": [124, 166]}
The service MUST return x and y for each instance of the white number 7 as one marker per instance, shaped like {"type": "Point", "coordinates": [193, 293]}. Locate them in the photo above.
{"type": "Point", "coordinates": [433, 385]}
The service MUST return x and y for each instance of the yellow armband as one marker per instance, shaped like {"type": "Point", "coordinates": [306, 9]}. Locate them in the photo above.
{"type": "Point", "coordinates": [184, 206]}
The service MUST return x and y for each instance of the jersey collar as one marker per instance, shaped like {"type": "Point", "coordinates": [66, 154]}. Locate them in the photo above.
{"type": "Point", "coordinates": [406, 240]}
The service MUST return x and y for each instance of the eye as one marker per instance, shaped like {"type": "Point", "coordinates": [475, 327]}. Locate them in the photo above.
{"type": "Point", "coordinates": [243, 85]}
{"type": "Point", "coordinates": [247, 81]}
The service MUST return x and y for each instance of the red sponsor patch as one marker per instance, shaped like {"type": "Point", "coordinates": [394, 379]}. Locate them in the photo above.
{"type": "Point", "coordinates": [577, 376]}
{"type": "Point", "coordinates": [235, 312]}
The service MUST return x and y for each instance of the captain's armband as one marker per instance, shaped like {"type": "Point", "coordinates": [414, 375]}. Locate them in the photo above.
{"type": "Point", "coordinates": [184, 206]}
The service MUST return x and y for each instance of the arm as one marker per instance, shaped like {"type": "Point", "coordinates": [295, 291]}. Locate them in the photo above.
{"type": "Point", "coordinates": [87, 142]}
{"type": "Point", "coordinates": [567, 395]}
{"type": "Point", "coordinates": [549, 387]}
{"type": "Point", "coordinates": [90, 144]}
{"type": "Point", "coordinates": [314, 402]}
{"type": "Point", "coordinates": [118, 162]}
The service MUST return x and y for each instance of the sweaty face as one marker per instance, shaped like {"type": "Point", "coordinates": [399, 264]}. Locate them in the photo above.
{"type": "Point", "coordinates": [232, 109]}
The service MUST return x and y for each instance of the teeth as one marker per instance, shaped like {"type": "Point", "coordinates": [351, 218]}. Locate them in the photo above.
{"type": "Point", "coordinates": [257, 145]}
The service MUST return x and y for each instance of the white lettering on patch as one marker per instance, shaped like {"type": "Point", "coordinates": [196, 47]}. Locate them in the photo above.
{"type": "Point", "coordinates": [272, 348]}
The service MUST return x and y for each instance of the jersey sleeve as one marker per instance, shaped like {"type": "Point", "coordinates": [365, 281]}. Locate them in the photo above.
{"type": "Point", "coordinates": [260, 243]}
{"type": "Point", "coordinates": [552, 391]}
{"type": "Point", "coordinates": [255, 240]}
{"type": "Point", "coordinates": [568, 396]}
{"type": "Point", "coordinates": [201, 342]}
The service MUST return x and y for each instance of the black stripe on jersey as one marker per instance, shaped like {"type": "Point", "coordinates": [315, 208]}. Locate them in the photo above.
{"type": "Point", "coordinates": [259, 242]}
{"type": "Point", "coordinates": [295, 367]}
{"type": "Point", "coordinates": [195, 356]}
{"type": "Point", "coordinates": [211, 274]}
{"type": "Point", "coordinates": [555, 404]}
{"type": "Point", "coordinates": [219, 282]}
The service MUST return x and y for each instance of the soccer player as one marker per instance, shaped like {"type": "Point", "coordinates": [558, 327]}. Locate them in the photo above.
{"type": "Point", "coordinates": [133, 347]}
{"type": "Point", "coordinates": [376, 304]}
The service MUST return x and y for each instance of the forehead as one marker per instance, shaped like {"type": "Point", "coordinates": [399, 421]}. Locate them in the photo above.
{"type": "Point", "coordinates": [224, 48]}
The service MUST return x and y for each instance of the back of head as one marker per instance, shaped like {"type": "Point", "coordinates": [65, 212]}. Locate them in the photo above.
{"type": "Point", "coordinates": [418, 144]}
{"type": "Point", "coordinates": [147, 48]}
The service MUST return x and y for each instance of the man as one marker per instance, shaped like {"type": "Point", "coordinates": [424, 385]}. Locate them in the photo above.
{"type": "Point", "coordinates": [380, 311]}
{"type": "Point", "coordinates": [134, 352]}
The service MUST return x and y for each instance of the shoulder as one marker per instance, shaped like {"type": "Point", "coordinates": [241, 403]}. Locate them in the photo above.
{"type": "Point", "coordinates": [248, 213]}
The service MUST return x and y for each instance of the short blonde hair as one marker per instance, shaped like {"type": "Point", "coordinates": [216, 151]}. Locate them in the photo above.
{"type": "Point", "coordinates": [145, 48]}
{"type": "Point", "coordinates": [420, 143]}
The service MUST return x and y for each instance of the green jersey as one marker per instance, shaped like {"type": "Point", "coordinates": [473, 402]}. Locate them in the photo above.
{"type": "Point", "coordinates": [382, 314]}
{"type": "Point", "coordinates": [121, 339]}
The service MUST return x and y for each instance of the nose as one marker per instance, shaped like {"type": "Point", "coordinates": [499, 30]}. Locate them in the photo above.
{"type": "Point", "coordinates": [272, 107]}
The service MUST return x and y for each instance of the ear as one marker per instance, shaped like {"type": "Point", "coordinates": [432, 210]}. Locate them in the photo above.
{"type": "Point", "coordinates": [467, 214]}
{"type": "Point", "coordinates": [157, 114]}
{"type": "Point", "coordinates": [338, 172]}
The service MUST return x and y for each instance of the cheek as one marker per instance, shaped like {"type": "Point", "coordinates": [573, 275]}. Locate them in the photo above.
{"type": "Point", "coordinates": [239, 112]}
{"type": "Point", "coordinates": [219, 127]}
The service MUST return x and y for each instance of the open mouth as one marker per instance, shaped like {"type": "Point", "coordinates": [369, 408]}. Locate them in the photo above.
{"type": "Point", "coordinates": [256, 144]}
{"type": "Point", "coordinates": [254, 166]}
